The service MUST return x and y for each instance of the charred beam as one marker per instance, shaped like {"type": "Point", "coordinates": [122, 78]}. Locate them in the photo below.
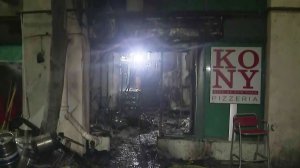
{"type": "Point", "coordinates": [57, 65]}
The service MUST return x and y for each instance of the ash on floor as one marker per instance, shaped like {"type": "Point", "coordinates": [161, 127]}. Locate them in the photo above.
{"type": "Point", "coordinates": [134, 146]}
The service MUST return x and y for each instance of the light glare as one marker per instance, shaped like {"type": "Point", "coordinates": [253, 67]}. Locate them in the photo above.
{"type": "Point", "coordinates": [208, 69]}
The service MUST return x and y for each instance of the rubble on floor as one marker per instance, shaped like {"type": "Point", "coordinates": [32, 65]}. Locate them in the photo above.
{"type": "Point", "coordinates": [134, 145]}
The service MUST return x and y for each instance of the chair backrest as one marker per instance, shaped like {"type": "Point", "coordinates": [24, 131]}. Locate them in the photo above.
{"type": "Point", "coordinates": [245, 120]}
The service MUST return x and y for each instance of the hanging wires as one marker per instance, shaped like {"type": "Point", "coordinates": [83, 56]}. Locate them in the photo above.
{"type": "Point", "coordinates": [9, 105]}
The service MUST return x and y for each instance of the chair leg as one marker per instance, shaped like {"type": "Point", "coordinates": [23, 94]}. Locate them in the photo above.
{"type": "Point", "coordinates": [268, 151]}
{"type": "Point", "coordinates": [240, 151]}
{"type": "Point", "coordinates": [231, 148]}
{"type": "Point", "coordinates": [256, 151]}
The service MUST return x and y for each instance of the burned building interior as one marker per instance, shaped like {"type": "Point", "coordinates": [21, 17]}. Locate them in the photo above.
{"type": "Point", "coordinates": [149, 83]}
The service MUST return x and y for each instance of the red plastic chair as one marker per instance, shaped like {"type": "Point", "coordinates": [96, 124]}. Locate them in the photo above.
{"type": "Point", "coordinates": [248, 125]}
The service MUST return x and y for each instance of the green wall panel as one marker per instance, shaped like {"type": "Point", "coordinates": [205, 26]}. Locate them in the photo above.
{"type": "Point", "coordinates": [215, 5]}
{"type": "Point", "coordinates": [216, 116]}
{"type": "Point", "coordinates": [244, 30]}
{"type": "Point", "coordinates": [182, 5]}
{"type": "Point", "coordinates": [11, 53]}
{"type": "Point", "coordinates": [236, 5]}
{"type": "Point", "coordinates": [239, 32]}
{"type": "Point", "coordinates": [246, 108]}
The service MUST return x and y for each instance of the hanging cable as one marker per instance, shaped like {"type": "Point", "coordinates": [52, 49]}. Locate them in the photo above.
{"type": "Point", "coordinates": [9, 106]}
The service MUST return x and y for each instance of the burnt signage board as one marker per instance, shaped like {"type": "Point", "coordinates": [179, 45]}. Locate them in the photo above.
{"type": "Point", "coordinates": [235, 75]}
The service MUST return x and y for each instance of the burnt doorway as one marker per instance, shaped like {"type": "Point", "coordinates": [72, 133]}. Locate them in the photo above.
{"type": "Point", "coordinates": [140, 95]}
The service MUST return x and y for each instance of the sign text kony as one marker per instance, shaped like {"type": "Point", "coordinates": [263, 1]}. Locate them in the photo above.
{"type": "Point", "coordinates": [235, 75]}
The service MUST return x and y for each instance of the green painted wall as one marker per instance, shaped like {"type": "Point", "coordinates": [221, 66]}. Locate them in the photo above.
{"type": "Point", "coordinates": [239, 32]}
{"type": "Point", "coordinates": [216, 116]}
{"type": "Point", "coordinates": [216, 5]}
{"type": "Point", "coordinates": [10, 53]}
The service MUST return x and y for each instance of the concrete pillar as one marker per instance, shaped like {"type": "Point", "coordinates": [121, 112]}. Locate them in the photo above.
{"type": "Point", "coordinates": [36, 32]}
{"type": "Point", "coordinates": [36, 37]}
{"type": "Point", "coordinates": [282, 90]}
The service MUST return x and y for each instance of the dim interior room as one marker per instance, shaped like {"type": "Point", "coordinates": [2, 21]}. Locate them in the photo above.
{"type": "Point", "coordinates": [140, 83]}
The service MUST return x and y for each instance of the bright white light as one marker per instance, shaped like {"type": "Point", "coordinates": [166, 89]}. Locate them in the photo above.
{"type": "Point", "coordinates": [139, 58]}
{"type": "Point", "coordinates": [208, 69]}
{"type": "Point", "coordinates": [124, 59]}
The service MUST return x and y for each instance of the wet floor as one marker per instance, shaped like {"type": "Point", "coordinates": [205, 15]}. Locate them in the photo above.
{"type": "Point", "coordinates": [134, 146]}
{"type": "Point", "coordinates": [133, 150]}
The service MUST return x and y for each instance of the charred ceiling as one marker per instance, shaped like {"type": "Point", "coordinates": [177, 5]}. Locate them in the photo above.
{"type": "Point", "coordinates": [112, 27]}
{"type": "Point", "coordinates": [12, 2]}
{"type": "Point", "coordinates": [154, 30]}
